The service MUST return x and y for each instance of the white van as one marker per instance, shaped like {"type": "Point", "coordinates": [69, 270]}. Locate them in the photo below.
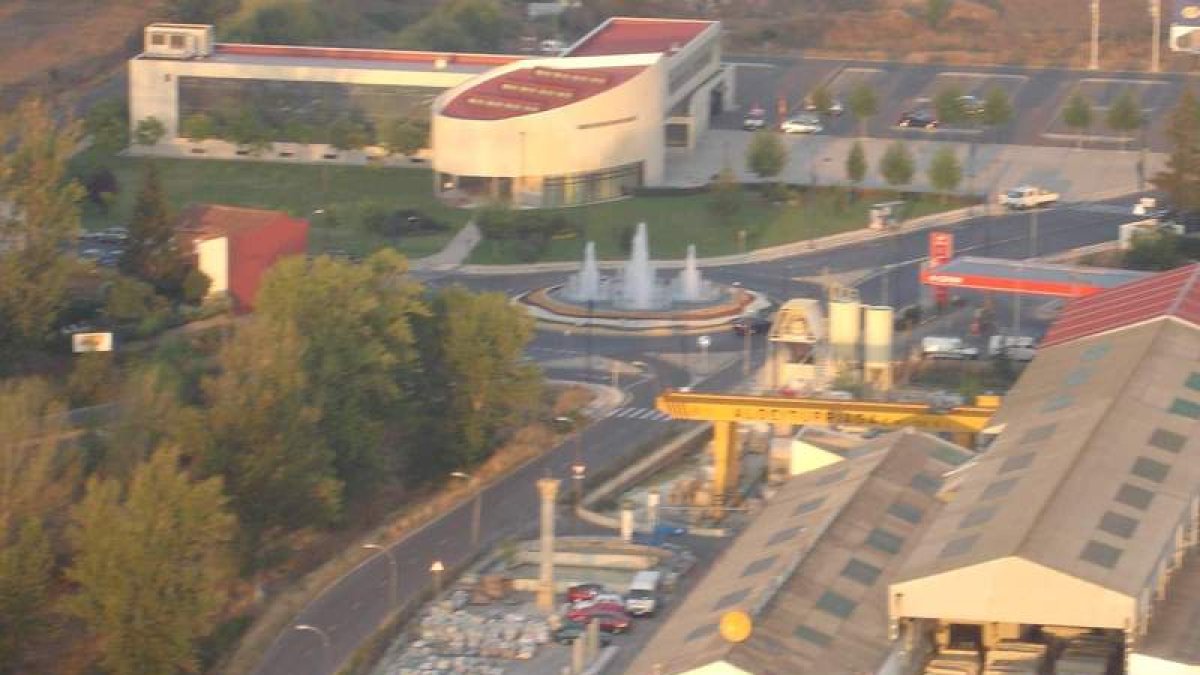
{"type": "Point", "coordinates": [642, 599]}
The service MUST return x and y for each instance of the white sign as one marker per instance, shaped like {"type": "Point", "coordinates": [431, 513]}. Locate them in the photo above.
{"type": "Point", "coordinates": [91, 342]}
{"type": "Point", "coordinates": [704, 341]}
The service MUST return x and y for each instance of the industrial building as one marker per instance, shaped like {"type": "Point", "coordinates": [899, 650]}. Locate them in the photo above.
{"type": "Point", "coordinates": [1063, 547]}
{"type": "Point", "coordinates": [589, 125]}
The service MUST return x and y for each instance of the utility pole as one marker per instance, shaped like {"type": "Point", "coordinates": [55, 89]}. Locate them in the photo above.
{"type": "Point", "coordinates": [1156, 36]}
{"type": "Point", "coordinates": [1033, 233]}
{"type": "Point", "coordinates": [1094, 64]}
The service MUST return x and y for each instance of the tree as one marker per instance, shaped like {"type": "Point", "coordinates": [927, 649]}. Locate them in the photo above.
{"type": "Point", "coordinates": [102, 187]}
{"type": "Point", "coordinates": [195, 286]}
{"type": "Point", "coordinates": [462, 25]}
{"type": "Point", "coordinates": [150, 414]}
{"type": "Point", "coordinates": [1124, 115]}
{"type": "Point", "coordinates": [262, 435]}
{"type": "Point", "coordinates": [203, 11]}
{"type": "Point", "coordinates": [25, 569]}
{"type": "Point", "coordinates": [1180, 180]}
{"type": "Point", "coordinates": [475, 383]}
{"type": "Point", "coordinates": [726, 195]}
{"type": "Point", "coordinates": [404, 136]}
{"type": "Point", "coordinates": [936, 11]}
{"type": "Point", "coordinates": [1077, 115]}
{"type": "Point", "coordinates": [152, 562]}
{"type": "Point", "coordinates": [863, 104]}
{"type": "Point", "coordinates": [948, 104]}
{"type": "Point", "coordinates": [198, 127]}
{"type": "Point", "coordinates": [42, 224]}
{"type": "Point", "coordinates": [346, 134]}
{"type": "Point", "coordinates": [107, 125]}
{"type": "Point", "coordinates": [152, 253]}
{"type": "Point", "coordinates": [945, 172]}
{"type": "Point", "coordinates": [149, 131]}
{"type": "Point", "coordinates": [997, 109]}
{"type": "Point", "coordinates": [897, 165]}
{"type": "Point", "coordinates": [821, 99]}
{"type": "Point", "coordinates": [1155, 252]}
{"type": "Point", "coordinates": [249, 132]}
{"type": "Point", "coordinates": [38, 456]}
{"type": "Point", "coordinates": [767, 155]}
{"type": "Point", "coordinates": [856, 164]}
{"type": "Point", "coordinates": [359, 358]}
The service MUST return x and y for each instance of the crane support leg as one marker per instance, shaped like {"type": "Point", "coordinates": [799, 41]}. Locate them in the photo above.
{"type": "Point", "coordinates": [725, 461]}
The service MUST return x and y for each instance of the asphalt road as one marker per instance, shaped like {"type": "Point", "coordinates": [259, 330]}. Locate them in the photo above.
{"type": "Point", "coordinates": [1037, 95]}
{"type": "Point", "coordinates": [351, 610]}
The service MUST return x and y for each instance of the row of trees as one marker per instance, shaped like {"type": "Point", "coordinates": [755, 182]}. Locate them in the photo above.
{"type": "Point", "coordinates": [350, 378]}
{"type": "Point", "coordinates": [249, 130]}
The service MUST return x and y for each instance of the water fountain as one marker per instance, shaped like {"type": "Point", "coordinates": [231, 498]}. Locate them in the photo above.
{"type": "Point", "coordinates": [635, 299]}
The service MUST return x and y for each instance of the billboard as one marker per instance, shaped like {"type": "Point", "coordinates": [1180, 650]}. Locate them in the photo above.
{"type": "Point", "coordinates": [91, 342]}
{"type": "Point", "coordinates": [1185, 26]}
{"type": "Point", "coordinates": [941, 250]}
{"type": "Point", "coordinates": [1186, 13]}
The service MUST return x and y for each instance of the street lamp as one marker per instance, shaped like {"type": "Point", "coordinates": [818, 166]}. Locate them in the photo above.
{"type": "Point", "coordinates": [578, 473]}
{"type": "Point", "coordinates": [436, 569]}
{"type": "Point", "coordinates": [393, 568]}
{"type": "Point", "coordinates": [476, 507]}
{"type": "Point", "coordinates": [326, 643]}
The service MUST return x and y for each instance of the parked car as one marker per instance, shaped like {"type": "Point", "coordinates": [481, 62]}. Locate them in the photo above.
{"type": "Point", "coordinates": [802, 124]}
{"type": "Point", "coordinates": [610, 599]}
{"type": "Point", "coordinates": [755, 119]}
{"type": "Point", "coordinates": [580, 592]}
{"type": "Point", "coordinates": [611, 619]}
{"type": "Point", "coordinates": [571, 631]}
{"type": "Point", "coordinates": [835, 107]}
{"type": "Point", "coordinates": [918, 119]}
{"type": "Point", "coordinates": [643, 593]}
{"type": "Point", "coordinates": [947, 348]}
{"type": "Point", "coordinates": [753, 325]}
{"type": "Point", "coordinates": [1028, 197]}
{"type": "Point", "coordinates": [971, 105]}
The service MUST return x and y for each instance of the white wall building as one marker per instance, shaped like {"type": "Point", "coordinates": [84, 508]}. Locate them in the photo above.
{"type": "Point", "coordinates": [590, 125]}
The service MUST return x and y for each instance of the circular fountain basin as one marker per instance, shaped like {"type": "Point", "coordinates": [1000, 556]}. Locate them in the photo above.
{"type": "Point", "coordinates": [552, 310]}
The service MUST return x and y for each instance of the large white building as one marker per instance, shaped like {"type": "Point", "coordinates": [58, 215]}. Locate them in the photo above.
{"type": "Point", "coordinates": [590, 125]}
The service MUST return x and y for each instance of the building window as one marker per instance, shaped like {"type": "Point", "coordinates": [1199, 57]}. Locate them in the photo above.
{"type": "Point", "coordinates": [836, 604]}
{"type": "Point", "coordinates": [1185, 408]}
{"type": "Point", "coordinates": [677, 134]}
{"type": "Point", "coordinates": [158, 39]}
{"type": "Point", "coordinates": [863, 573]}
{"type": "Point", "coordinates": [177, 42]}
{"type": "Point", "coordinates": [593, 186]}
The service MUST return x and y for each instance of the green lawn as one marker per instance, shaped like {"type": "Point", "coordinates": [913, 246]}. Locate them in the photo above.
{"type": "Point", "coordinates": [342, 192]}
{"type": "Point", "coordinates": [676, 221]}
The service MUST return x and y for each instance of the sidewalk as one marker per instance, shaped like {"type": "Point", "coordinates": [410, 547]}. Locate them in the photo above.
{"type": "Point", "coordinates": [455, 253]}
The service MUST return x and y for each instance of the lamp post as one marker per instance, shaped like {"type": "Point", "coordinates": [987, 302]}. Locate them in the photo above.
{"type": "Point", "coordinates": [393, 568]}
{"type": "Point", "coordinates": [1094, 62]}
{"type": "Point", "coordinates": [326, 643]}
{"type": "Point", "coordinates": [749, 327]}
{"type": "Point", "coordinates": [578, 473]}
{"type": "Point", "coordinates": [476, 508]}
{"type": "Point", "coordinates": [1156, 36]}
{"type": "Point", "coordinates": [436, 568]}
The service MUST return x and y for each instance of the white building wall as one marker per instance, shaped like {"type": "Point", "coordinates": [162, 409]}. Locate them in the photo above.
{"type": "Point", "coordinates": [552, 142]}
{"type": "Point", "coordinates": [212, 258]}
{"type": "Point", "coordinates": [1142, 664]}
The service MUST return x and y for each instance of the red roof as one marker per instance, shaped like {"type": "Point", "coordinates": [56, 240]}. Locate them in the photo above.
{"type": "Point", "coordinates": [639, 36]}
{"type": "Point", "coordinates": [533, 90]}
{"type": "Point", "coordinates": [207, 221]}
{"type": "Point", "coordinates": [1174, 293]}
{"type": "Point", "coordinates": [352, 54]}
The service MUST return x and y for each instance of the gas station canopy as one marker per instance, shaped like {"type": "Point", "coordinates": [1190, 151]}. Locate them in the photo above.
{"type": "Point", "coordinates": [1025, 277]}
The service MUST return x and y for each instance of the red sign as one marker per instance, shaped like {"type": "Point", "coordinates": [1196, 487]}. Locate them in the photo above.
{"type": "Point", "coordinates": [941, 250]}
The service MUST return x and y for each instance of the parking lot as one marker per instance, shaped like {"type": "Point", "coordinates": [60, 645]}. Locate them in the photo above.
{"type": "Point", "coordinates": [1037, 95]}
{"type": "Point", "coordinates": [103, 247]}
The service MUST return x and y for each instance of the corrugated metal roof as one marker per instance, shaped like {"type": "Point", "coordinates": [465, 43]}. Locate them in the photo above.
{"type": "Point", "coordinates": [812, 568]}
{"type": "Point", "coordinates": [1089, 446]}
{"type": "Point", "coordinates": [1174, 293]}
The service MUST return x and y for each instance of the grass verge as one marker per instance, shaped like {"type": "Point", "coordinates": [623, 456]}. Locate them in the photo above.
{"type": "Point", "coordinates": [343, 194]}
{"type": "Point", "coordinates": [674, 221]}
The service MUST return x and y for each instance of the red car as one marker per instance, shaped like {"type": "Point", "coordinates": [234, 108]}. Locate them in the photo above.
{"type": "Point", "coordinates": [584, 592]}
{"type": "Point", "coordinates": [612, 618]}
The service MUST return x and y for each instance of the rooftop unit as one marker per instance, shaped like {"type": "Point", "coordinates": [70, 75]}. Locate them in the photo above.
{"type": "Point", "coordinates": [178, 40]}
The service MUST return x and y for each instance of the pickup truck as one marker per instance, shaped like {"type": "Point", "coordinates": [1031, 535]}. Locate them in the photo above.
{"type": "Point", "coordinates": [947, 348]}
{"type": "Point", "coordinates": [1027, 197]}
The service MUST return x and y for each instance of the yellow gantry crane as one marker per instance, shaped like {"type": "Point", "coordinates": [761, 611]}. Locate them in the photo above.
{"type": "Point", "coordinates": [724, 410]}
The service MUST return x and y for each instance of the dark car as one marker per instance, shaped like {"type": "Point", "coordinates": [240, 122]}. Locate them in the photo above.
{"type": "Point", "coordinates": [612, 619]}
{"type": "Point", "coordinates": [752, 325]}
{"type": "Point", "coordinates": [918, 119]}
{"type": "Point", "coordinates": [571, 631]}
{"type": "Point", "coordinates": [584, 592]}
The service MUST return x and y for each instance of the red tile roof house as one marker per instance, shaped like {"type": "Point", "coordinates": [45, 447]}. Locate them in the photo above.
{"type": "Point", "coordinates": [236, 246]}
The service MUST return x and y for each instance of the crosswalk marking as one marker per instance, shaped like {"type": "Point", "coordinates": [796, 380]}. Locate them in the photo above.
{"type": "Point", "coordinates": [648, 414]}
